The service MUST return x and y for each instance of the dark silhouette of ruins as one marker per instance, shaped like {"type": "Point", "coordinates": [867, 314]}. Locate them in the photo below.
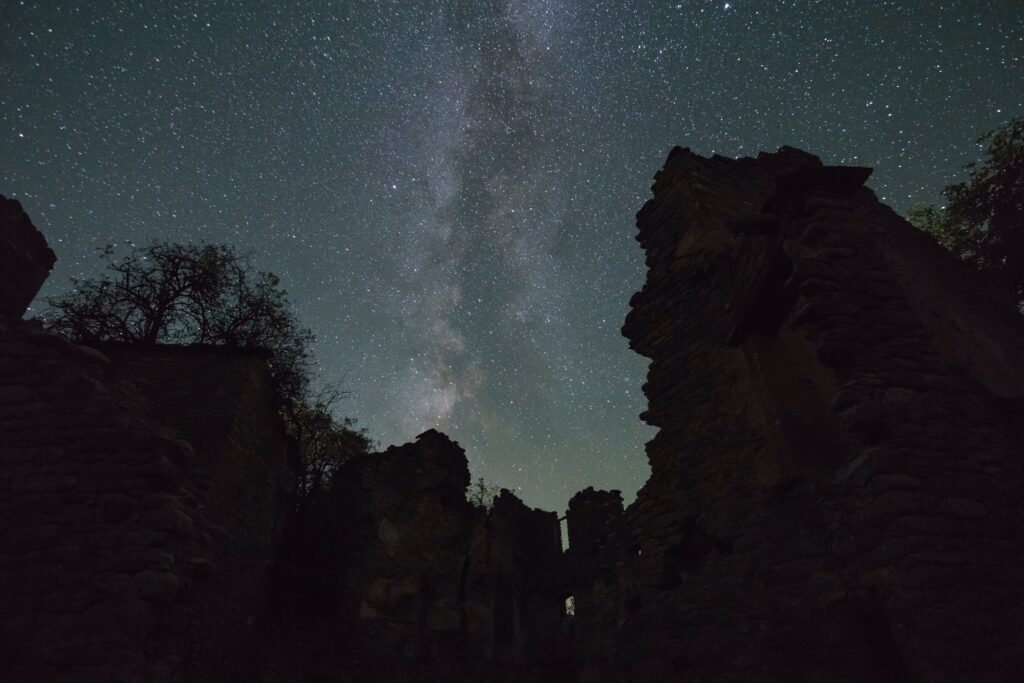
{"type": "Point", "coordinates": [835, 489]}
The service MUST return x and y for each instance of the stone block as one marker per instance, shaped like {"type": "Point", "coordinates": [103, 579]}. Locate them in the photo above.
{"type": "Point", "coordinates": [155, 585]}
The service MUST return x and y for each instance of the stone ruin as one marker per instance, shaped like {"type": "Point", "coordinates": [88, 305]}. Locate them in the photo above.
{"type": "Point", "coordinates": [834, 490]}
{"type": "Point", "coordinates": [835, 484]}
{"type": "Point", "coordinates": [396, 576]}
{"type": "Point", "coordinates": [25, 259]}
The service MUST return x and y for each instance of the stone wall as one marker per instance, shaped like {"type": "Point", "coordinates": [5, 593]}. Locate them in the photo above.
{"type": "Point", "coordinates": [835, 482]}
{"type": "Point", "coordinates": [25, 259]}
{"type": "Point", "coordinates": [597, 550]}
{"type": "Point", "coordinates": [394, 575]}
{"type": "Point", "coordinates": [221, 402]}
{"type": "Point", "coordinates": [834, 491]}
{"type": "Point", "coordinates": [138, 517]}
{"type": "Point", "coordinates": [518, 553]}
{"type": "Point", "coordinates": [148, 530]}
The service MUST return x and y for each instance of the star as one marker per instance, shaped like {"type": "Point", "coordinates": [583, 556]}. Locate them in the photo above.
{"type": "Point", "coordinates": [456, 183]}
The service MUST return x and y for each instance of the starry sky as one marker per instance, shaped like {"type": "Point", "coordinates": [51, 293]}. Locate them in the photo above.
{"type": "Point", "coordinates": [447, 188]}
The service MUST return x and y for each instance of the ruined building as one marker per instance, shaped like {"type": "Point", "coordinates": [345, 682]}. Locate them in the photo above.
{"type": "Point", "coordinates": [142, 499]}
{"type": "Point", "coordinates": [396, 576]}
{"type": "Point", "coordinates": [835, 489]}
{"type": "Point", "coordinates": [148, 531]}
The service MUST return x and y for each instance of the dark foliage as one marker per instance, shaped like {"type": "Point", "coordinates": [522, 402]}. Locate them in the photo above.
{"type": "Point", "coordinates": [326, 442]}
{"type": "Point", "coordinates": [983, 222]}
{"type": "Point", "coordinates": [482, 493]}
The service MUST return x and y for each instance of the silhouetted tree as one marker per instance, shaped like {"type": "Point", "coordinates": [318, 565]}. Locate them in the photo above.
{"type": "Point", "coordinates": [325, 442]}
{"type": "Point", "coordinates": [983, 222]}
{"type": "Point", "coordinates": [933, 221]}
{"type": "Point", "coordinates": [210, 294]}
{"type": "Point", "coordinates": [188, 294]}
{"type": "Point", "coordinates": [482, 493]}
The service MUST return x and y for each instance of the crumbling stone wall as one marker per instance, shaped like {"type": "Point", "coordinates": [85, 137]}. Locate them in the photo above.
{"type": "Point", "coordinates": [595, 522]}
{"type": "Point", "coordinates": [142, 496]}
{"type": "Point", "coordinates": [127, 551]}
{"type": "Point", "coordinates": [517, 554]}
{"type": "Point", "coordinates": [25, 259]}
{"type": "Point", "coordinates": [394, 575]}
{"type": "Point", "coordinates": [835, 484]}
{"type": "Point", "coordinates": [95, 517]}
{"type": "Point", "coordinates": [221, 402]}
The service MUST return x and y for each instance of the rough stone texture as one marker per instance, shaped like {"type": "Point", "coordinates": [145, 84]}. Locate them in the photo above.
{"type": "Point", "coordinates": [25, 259]}
{"type": "Point", "coordinates": [397, 577]}
{"type": "Point", "coordinates": [137, 516]}
{"type": "Point", "coordinates": [595, 523]}
{"type": "Point", "coordinates": [221, 402]}
{"type": "Point", "coordinates": [145, 493]}
{"type": "Point", "coordinates": [835, 486]}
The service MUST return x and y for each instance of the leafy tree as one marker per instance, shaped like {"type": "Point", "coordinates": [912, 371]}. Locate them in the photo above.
{"type": "Point", "coordinates": [188, 294]}
{"type": "Point", "coordinates": [988, 209]}
{"type": "Point", "coordinates": [983, 222]}
{"type": "Point", "coordinates": [210, 294]}
{"type": "Point", "coordinates": [482, 493]}
{"type": "Point", "coordinates": [325, 441]}
{"type": "Point", "coordinates": [933, 221]}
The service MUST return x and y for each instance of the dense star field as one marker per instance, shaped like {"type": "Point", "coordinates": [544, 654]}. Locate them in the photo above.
{"type": "Point", "coordinates": [447, 189]}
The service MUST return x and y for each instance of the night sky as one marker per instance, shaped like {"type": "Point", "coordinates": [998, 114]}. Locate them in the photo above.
{"type": "Point", "coordinates": [447, 189]}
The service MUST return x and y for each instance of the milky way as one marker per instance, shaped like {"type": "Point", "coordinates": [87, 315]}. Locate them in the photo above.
{"type": "Point", "coordinates": [447, 189]}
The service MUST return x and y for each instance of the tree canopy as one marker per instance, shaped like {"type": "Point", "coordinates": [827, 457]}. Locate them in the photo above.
{"type": "Point", "coordinates": [983, 221]}
{"type": "Point", "coordinates": [326, 442]}
{"type": "Point", "coordinates": [173, 293]}
{"type": "Point", "coordinates": [482, 493]}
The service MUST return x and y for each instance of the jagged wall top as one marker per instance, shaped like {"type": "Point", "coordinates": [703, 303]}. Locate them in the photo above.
{"type": "Point", "coordinates": [833, 489]}
{"type": "Point", "coordinates": [25, 259]}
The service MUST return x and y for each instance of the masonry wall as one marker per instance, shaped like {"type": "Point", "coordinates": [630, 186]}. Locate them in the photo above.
{"type": "Point", "coordinates": [137, 525]}
{"type": "Point", "coordinates": [394, 575]}
{"type": "Point", "coordinates": [221, 401]}
{"type": "Point", "coordinates": [25, 259]}
{"type": "Point", "coordinates": [835, 482]}
{"type": "Point", "coordinates": [835, 490]}
{"type": "Point", "coordinates": [598, 549]}
{"type": "Point", "coordinates": [148, 529]}
{"type": "Point", "coordinates": [96, 513]}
